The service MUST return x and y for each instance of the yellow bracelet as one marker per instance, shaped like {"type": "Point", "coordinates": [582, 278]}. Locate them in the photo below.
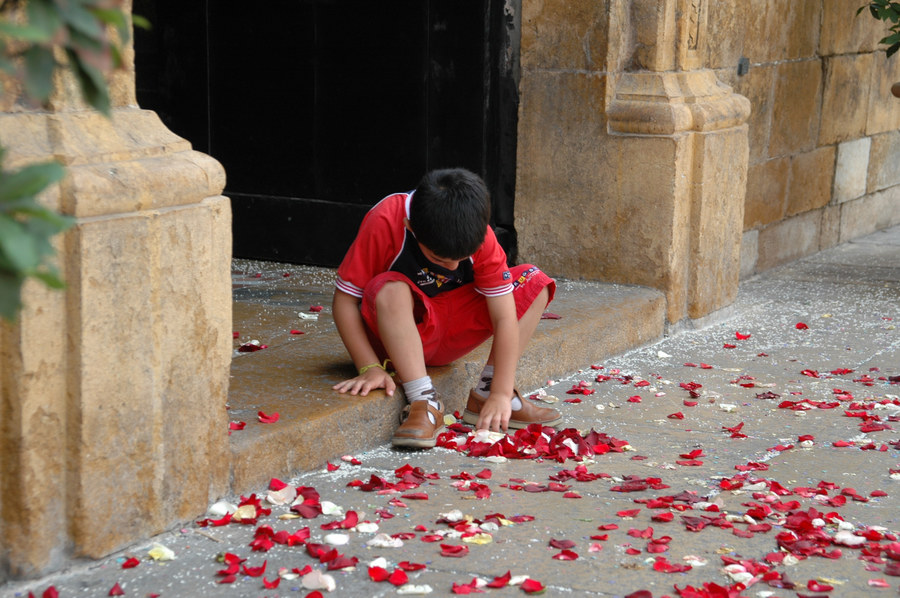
{"type": "Point", "coordinates": [383, 366]}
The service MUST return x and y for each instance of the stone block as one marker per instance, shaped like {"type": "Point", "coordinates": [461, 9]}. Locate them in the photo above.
{"type": "Point", "coordinates": [884, 108]}
{"type": "Point", "coordinates": [845, 33]}
{"type": "Point", "coordinates": [764, 34]}
{"type": "Point", "coordinates": [788, 240]}
{"type": "Point", "coordinates": [851, 169]}
{"type": "Point", "coordinates": [749, 253]}
{"type": "Point", "coordinates": [795, 113]}
{"type": "Point", "coordinates": [717, 205]}
{"type": "Point", "coordinates": [564, 35]}
{"type": "Point", "coordinates": [33, 466]}
{"type": "Point", "coordinates": [726, 24]}
{"type": "Point", "coordinates": [109, 277]}
{"type": "Point", "coordinates": [135, 296]}
{"type": "Point", "coordinates": [801, 32]}
{"type": "Point", "coordinates": [870, 213]}
{"type": "Point", "coordinates": [830, 234]}
{"type": "Point", "coordinates": [766, 192]}
{"type": "Point", "coordinates": [884, 158]}
{"type": "Point", "coordinates": [845, 102]}
{"type": "Point", "coordinates": [811, 179]}
{"type": "Point", "coordinates": [562, 169]}
{"type": "Point", "coordinates": [758, 87]}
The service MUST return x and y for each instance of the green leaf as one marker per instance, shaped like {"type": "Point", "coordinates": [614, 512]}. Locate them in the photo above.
{"type": "Point", "coordinates": [80, 19]}
{"type": "Point", "coordinates": [17, 245]}
{"type": "Point", "coordinates": [10, 294]}
{"type": "Point", "coordinates": [116, 18]}
{"type": "Point", "coordinates": [142, 22]}
{"type": "Point", "coordinates": [44, 15]}
{"type": "Point", "coordinates": [893, 50]}
{"type": "Point", "coordinates": [93, 85]}
{"type": "Point", "coordinates": [29, 181]}
{"type": "Point", "coordinates": [39, 66]}
{"type": "Point", "coordinates": [27, 33]}
{"type": "Point", "coordinates": [58, 222]}
{"type": "Point", "coordinates": [50, 278]}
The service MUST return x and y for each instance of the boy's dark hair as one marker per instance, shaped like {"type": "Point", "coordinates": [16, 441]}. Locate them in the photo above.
{"type": "Point", "coordinates": [450, 212]}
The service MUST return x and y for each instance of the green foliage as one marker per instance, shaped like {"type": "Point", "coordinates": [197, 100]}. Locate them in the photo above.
{"type": "Point", "coordinates": [26, 229]}
{"type": "Point", "coordinates": [889, 12]}
{"type": "Point", "coordinates": [29, 44]}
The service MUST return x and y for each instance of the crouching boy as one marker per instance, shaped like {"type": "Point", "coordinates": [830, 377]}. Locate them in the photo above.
{"type": "Point", "coordinates": [424, 283]}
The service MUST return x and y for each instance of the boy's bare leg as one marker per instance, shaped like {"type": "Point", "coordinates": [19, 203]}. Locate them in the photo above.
{"type": "Point", "coordinates": [528, 323]}
{"type": "Point", "coordinates": [398, 332]}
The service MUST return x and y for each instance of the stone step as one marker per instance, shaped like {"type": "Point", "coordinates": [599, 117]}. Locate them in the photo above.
{"type": "Point", "coordinates": [293, 376]}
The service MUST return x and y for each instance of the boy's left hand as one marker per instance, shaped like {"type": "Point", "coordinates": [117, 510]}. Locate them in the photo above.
{"type": "Point", "coordinates": [495, 413]}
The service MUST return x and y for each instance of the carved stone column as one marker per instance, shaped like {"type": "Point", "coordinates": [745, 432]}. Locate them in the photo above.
{"type": "Point", "coordinates": [677, 118]}
{"type": "Point", "coordinates": [112, 393]}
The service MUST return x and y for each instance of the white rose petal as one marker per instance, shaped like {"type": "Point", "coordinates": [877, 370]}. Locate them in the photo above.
{"type": "Point", "coordinates": [379, 562]}
{"type": "Point", "coordinates": [316, 580]}
{"type": "Point", "coordinates": [367, 527]}
{"type": "Point", "coordinates": [161, 553]}
{"type": "Point", "coordinates": [410, 589]}
{"type": "Point", "coordinates": [385, 541]}
{"type": "Point", "coordinates": [282, 497]}
{"type": "Point", "coordinates": [221, 508]}
{"type": "Point", "coordinates": [329, 508]}
{"type": "Point", "coordinates": [848, 538]}
{"type": "Point", "coordinates": [337, 539]}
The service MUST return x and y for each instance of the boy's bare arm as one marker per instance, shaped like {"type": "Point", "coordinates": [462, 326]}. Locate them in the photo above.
{"type": "Point", "coordinates": [505, 349]}
{"type": "Point", "coordinates": [351, 327]}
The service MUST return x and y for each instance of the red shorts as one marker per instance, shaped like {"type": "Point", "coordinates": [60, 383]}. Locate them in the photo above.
{"type": "Point", "coordinates": [453, 323]}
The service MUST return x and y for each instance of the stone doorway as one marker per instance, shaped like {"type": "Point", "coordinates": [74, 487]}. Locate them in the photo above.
{"type": "Point", "coordinates": [318, 108]}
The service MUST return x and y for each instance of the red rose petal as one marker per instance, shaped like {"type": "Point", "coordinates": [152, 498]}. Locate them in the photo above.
{"type": "Point", "coordinates": [398, 577]}
{"type": "Point", "coordinates": [271, 585]}
{"type": "Point", "coordinates": [116, 590]}
{"type": "Point", "coordinates": [565, 555]}
{"type": "Point", "coordinates": [676, 415]}
{"type": "Point", "coordinates": [267, 419]}
{"type": "Point", "coordinates": [628, 513]}
{"type": "Point", "coordinates": [532, 586]}
{"type": "Point", "coordinates": [453, 551]}
{"type": "Point", "coordinates": [407, 566]}
{"type": "Point", "coordinates": [131, 563]}
{"type": "Point", "coordinates": [801, 326]}
{"type": "Point", "coordinates": [237, 425]}
{"type": "Point", "coordinates": [500, 582]}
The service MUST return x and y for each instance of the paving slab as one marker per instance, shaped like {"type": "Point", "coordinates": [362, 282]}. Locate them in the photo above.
{"type": "Point", "coordinates": [793, 433]}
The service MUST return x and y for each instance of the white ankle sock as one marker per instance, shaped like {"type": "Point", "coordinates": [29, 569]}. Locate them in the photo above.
{"type": "Point", "coordinates": [421, 389]}
{"type": "Point", "coordinates": [483, 388]}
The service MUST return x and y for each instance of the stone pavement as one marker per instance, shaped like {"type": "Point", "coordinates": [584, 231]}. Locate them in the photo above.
{"type": "Point", "coordinates": [768, 441]}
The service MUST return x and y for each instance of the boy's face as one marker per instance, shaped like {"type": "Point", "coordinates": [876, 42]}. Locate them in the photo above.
{"type": "Point", "coordinates": [442, 262]}
{"type": "Point", "coordinates": [432, 256]}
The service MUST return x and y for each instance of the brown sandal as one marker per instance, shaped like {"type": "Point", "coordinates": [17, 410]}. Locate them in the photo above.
{"type": "Point", "coordinates": [417, 431]}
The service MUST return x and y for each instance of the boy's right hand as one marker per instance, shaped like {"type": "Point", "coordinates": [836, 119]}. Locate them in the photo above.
{"type": "Point", "coordinates": [361, 385]}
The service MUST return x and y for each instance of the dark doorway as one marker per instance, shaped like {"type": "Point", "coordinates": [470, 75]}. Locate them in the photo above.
{"type": "Point", "coordinates": [318, 108]}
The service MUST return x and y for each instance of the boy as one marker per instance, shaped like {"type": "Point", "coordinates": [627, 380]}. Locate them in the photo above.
{"type": "Point", "coordinates": [424, 283]}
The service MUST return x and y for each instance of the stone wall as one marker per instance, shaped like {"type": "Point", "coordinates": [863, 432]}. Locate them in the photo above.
{"type": "Point", "coordinates": [824, 140]}
{"type": "Point", "coordinates": [638, 164]}
{"type": "Point", "coordinates": [632, 156]}
{"type": "Point", "coordinates": [112, 393]}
